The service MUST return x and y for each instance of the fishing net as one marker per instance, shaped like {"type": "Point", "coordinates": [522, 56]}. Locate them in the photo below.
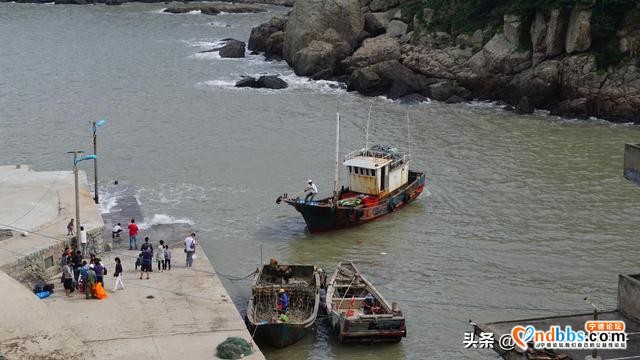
{"type": "Point", "coordinates": [233, 348]}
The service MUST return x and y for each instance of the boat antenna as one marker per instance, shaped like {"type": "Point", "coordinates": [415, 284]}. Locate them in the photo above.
{"type": "Point", "coordinates": [366, 139]}
{"type": "Point", "coordinates": [409, 132]}
{"type": "Point", "coordinates": [336, 176]}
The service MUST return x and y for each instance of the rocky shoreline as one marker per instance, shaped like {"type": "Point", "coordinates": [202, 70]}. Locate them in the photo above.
{"type": "Point", "coordinates": [286, 3]}
{"type": "Point", "coordinates": [378, 47]}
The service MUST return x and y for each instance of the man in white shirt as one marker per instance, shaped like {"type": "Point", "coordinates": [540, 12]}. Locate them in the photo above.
{"type": "Point", "coordinates": [190, 248]}
{"type": "Point", "coordinates": [115, 232]}
{"type": "Point", "coordinates": [83, 240]}
{"type": "Point", "coordinates": [311, 191]}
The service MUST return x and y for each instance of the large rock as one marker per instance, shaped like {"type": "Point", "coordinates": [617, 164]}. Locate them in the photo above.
{"type": "Point", "coordinates": [271, 82]}
{"type": "Point", "coordinates": [574, 108]}
{"type": "Point", "coordinates": [376, 50]}
{"type": "Point", "coordinates": [274, 44]}
{"type": "Point", "coordinates": [445, 90]}
{"type": "Point", "coordinates": [376, 23]}
{"type": "Point", "coordinates": [579, 30]}
{"type": "Point", "coordinates": [232, 49]}
{"type": "Point", "coordinates": [512, 29]}
{"type": "Point", "coordinates": [261, 33]}
{"type": "Point", "coordinates": [540, 84]}
{"type": "Point", "coordinates": [247, 81]}
{"type": "Point", "coordinates": [524, 106]}
{"type": "Point", "coordinates": [439, 63]}
{"type": "Point", "coordinates": [538, 34]}
{"type": "Point", "coordinates": [311, 19]}
{"type": "Point", "coordinates": [316, 57]}
{"type": "Point", "coordinates": [502, 56]}
{"type": "Point", "coordinates": [382, 5]}
{"type": "Point", "coordinates": [555, 36]}
{"type": "Point", "coordinates": [390, 76]}
{"type": "Point", "coordinates": [396, 28]}
{"type": "Point", "coordinates": [366, 81]}
{"type": "Point", "coordinates": [265, 81]}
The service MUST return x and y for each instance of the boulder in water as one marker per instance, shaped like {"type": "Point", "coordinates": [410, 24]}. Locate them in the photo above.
{"type": "Point", "coordinates": [271, 82]}
{"type": "Point", "coordinates": [232, 49]}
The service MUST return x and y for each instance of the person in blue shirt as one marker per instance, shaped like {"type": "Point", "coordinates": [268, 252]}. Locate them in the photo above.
{"type": "Point", "coordinates": [284, 301]}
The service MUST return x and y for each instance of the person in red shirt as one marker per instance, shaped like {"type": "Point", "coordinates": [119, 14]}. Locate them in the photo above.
{"type": "Point", "coordinates": [133, 235]}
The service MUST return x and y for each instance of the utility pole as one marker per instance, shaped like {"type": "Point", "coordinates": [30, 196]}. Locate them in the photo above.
{"type": "Point", "coordinates": [95, 163]}
{"type": "Point", "coordinates": [75, 175]}
{"type": "Point", "coordinates": [594, 352]}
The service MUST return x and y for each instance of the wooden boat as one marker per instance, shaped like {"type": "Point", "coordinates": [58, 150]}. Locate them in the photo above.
{"type": "Point", "coordinates": [352, 319]}
{"type": "Point", "coordinates": [302, 285]}
{"type": "Point", "coordinates": [380, 183]}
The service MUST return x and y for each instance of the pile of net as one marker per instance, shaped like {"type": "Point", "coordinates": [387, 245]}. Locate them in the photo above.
{"type": "Point", "coordinates": [233, 348]}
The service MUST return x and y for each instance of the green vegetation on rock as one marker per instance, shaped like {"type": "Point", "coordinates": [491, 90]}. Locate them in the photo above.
{"type": "Point", "coordinates": [456, 17]}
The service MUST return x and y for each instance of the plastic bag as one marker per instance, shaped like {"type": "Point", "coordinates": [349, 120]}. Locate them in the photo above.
{"type": "Point", "coordinates": [100, 292]}
{"type": "Point", "coordinates": [194, 256]}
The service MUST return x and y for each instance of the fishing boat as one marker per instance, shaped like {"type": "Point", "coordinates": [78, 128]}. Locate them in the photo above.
{"type": "Point", "coordinates": [359, 312]}
{"type": "Point", "coordinates": [302, 286]}
{"type": "Point", "coordinates": [380, 182]}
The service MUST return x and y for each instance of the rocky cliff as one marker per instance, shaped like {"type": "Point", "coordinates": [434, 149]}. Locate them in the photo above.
{"type": "Point", "coordinates": [574, 60]}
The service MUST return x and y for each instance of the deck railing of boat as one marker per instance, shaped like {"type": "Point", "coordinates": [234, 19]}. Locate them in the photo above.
{"type": "Point", "coordinates": [396, 158]}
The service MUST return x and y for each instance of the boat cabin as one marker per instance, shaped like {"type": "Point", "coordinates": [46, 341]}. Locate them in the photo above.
{"type": "Point", "coordinates": [377, 170]}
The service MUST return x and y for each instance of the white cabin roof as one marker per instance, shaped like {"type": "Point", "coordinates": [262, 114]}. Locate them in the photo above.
{"type": "Point", "coordinates": [367, 162]}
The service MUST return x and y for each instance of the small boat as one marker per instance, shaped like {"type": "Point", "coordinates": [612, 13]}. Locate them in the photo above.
{"type": "Point", "coordinates": [352, 318]}
{"type": "Point", "coordinates": [380, 182]}
{"type": "Point", "coordinates": [302, 285]}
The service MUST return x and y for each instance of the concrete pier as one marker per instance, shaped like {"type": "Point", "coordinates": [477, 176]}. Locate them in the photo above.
{"type": "Point", "coordinates": [628, 310]}
{"type": "Point", "coordinates": [181, 313]}
{"type": "Point", "coordinates": [40, 204]}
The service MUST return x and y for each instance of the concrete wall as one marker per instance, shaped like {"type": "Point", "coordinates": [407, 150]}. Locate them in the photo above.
{"type": "Point", "coordinates": [632, 162]}
{"type": "Point", "coordinates": [629, 295]}
{"type": "Point", "coordinates": [45, 263]}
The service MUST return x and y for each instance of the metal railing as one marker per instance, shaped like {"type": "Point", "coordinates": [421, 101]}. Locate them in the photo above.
{"type": "Point", "coordinates": [395, 157]}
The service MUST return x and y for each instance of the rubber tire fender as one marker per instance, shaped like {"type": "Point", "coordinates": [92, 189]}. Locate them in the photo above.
{"type": "Point", "coordinates": [391, 205]}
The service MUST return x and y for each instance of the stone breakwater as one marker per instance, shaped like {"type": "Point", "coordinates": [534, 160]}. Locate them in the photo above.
{"type": "Point", "coordinates": [378, 47]}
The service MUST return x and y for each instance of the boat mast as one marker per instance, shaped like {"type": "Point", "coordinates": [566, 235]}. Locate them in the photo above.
{"type": "Point", "coordinates": [408, 132]}
{"type": "Point", "coordinates": [366, 139]}
{"type": "Point", "coordinates": [336, 176]}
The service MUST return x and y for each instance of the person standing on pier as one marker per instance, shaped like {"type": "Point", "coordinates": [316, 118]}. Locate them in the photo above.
{"type": "Point", "coordinates": [190, 248]}
{"type": "Point", "coordinates": [167, 258]}
{"type": "Point", "coordinates": [67, 278]}
{"type": "Point", "coordinates": [160, 256]}
{"type": "Point", "coordinates": [83, 240]}
{"type": "Point", "coordinates": [133, 235]}
{"type": "Point", "coordinates": [146, 262]}
{"type": "Point", "coordinates": [118, 275]}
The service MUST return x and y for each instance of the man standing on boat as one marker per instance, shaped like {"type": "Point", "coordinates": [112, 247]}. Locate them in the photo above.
{"type": "Point", "coordinates": [311, 191]}
{"type": "Point", "coordinates": [284, 302]}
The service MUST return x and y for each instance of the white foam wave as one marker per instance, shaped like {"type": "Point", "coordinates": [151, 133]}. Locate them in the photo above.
{"type": "Point", "coordinates": [220, 83]}
{"type": "Point", "coordinates": [109, 199]}
{"type": "Point", "coordinates": [295, 83]}
{"type": "Point", "coordinates": [159, 11]}
{"type": "Point", "coordinates": [206, 55]}
{"type": "Point", "coordinates": [204, 43]}
{"type": "Point", "coordinates": [159, 219]}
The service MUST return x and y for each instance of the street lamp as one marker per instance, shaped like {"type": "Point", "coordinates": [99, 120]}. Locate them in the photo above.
{"type": "Point", "coordinates": [96, 125]}
{"type": "Point", "coordinates": [76, 160]}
